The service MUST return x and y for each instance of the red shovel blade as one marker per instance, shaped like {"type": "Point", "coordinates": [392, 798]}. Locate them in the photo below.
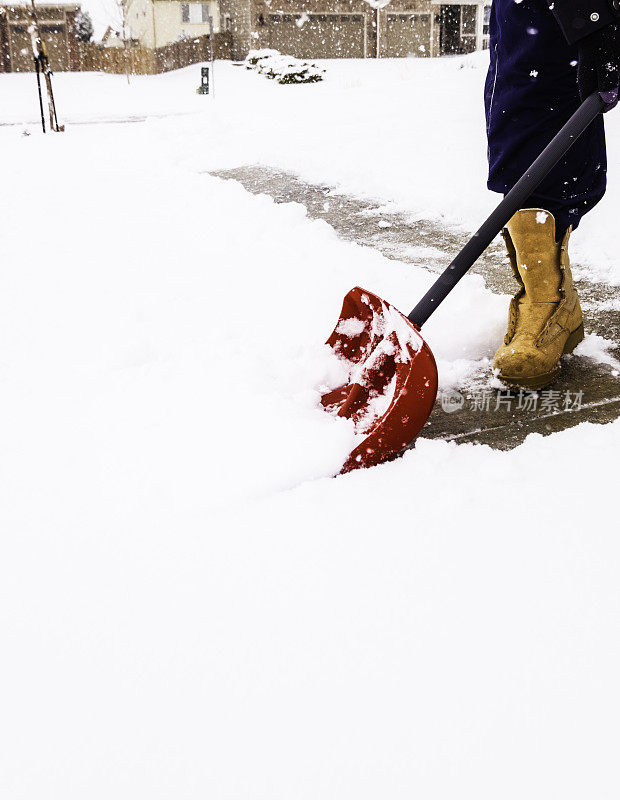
{"type": "Point", "coordinates": [392, 382]}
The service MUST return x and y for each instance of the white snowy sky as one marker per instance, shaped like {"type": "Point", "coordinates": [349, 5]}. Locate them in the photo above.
{"type": "Point", "coordinates": [102, 13]}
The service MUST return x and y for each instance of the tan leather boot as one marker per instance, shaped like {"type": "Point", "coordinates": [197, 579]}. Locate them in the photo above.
{"type": "Point", "coordinates": [545, 319]}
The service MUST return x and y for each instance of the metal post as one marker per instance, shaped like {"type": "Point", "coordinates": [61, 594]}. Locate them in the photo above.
{"type": "Point", "coordinates": [211, 45]}
{"type": "Point", "coordinates": [38, 69]}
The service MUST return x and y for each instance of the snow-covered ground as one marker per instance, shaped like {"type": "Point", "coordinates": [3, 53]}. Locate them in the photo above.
{"type": "Point", "coordinates": [409, 132]}
{"type": "Point", "coordinates": [190, 605]}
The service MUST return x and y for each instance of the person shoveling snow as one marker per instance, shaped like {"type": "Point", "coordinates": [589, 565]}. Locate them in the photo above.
{"type": "Point", "coordinates": [536, 79]}
{"type": "Point", "coordinates": [536, 217]}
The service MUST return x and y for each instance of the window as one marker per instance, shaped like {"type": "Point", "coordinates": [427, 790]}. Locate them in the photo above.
{"type": "Point", "coordinates": [487, 20]}
{"type": "Point", "coordinates": [194, 12]}
{"type": "Point", "coordinates": [475, 21]}
{"type": "Point", "coordinates": [468, 20]}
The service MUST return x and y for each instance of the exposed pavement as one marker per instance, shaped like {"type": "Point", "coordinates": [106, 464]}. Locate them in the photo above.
{"type": "Point", "coordinates": [586, 391]}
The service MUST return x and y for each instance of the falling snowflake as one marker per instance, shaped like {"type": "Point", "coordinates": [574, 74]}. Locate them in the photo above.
{"type": "Point", "coordinates": [534, 73]}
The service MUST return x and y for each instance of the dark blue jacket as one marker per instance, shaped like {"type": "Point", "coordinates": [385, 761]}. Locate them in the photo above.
{"type": "Point", "coordinates": [531, 91]}
{"type": "Point", "coordinates": [578, 18]}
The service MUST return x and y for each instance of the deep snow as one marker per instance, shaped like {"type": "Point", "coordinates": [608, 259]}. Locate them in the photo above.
{"type": "Point", "coordinates": [191, 606]}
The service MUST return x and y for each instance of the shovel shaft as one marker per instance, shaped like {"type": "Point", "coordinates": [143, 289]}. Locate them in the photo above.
{"type": "Point", "coordinates": [587, 112]}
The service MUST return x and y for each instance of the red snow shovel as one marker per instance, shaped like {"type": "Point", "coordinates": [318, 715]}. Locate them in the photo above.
{"type": "Point", "coordinates": [392, 382]}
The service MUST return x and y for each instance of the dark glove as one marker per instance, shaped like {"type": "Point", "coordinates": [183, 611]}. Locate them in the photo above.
{"type": "Point", "coordinates": [599, 65]}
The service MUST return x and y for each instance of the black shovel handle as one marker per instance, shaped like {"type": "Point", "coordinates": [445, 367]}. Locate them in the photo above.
{"type": "Point", "coordinates": [587, 112]}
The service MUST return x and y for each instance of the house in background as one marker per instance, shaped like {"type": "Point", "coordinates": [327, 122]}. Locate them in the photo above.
{"type": "Point", "coordinates": [465, 27]}
{"type": "Point", "coordinates": [302, 28]}
{"type": "Point", "coordinates": [112, 38]}
{"type": "Point", "coordinates": [57, 26]}
{"type": "Point", "coordinates": [155, 23]}
{"type": "Point", "coordinates": [355, 29]}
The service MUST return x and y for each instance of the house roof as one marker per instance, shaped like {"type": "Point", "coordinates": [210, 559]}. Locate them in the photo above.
{"type": "Point", "coordinates": [48, 4]}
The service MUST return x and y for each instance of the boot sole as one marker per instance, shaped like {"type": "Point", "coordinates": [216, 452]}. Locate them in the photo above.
{"type": "Point", "coordinates": [540, 381]}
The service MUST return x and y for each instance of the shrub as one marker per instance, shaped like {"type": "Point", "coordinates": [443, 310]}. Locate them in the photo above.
{"type": "Point", "coordinates": [84, 26]}
{"type": "Point", "coordinates": [283, 69]}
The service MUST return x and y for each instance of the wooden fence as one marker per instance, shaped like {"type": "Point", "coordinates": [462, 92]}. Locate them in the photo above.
{"type": "Point", "coordinates": [148, 61]}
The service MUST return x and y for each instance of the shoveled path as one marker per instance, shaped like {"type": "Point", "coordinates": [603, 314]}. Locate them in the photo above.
{"type": "Point", "coordinates": [478, 413]}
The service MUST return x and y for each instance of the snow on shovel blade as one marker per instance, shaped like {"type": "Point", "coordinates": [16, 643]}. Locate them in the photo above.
{"type": "Point", "coordinates": [392, 381]}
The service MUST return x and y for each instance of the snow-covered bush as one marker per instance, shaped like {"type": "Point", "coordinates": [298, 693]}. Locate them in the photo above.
{"type": "Point", "coordinates": [283, 69]}
{"type": "Point", "coordinates": [254, 56]}
{"type": "Point", "coordinates": [84, 26]}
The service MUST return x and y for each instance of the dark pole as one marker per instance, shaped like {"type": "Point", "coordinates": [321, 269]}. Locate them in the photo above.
{"type": "Point", "coordinates": [587, 112]}
{"type": "Point", "coordinates": [211, 47]}
{"type": "Point", "coordinates": [40, 55]}
{"type": "Point", "coordinates": [37, 67]}
{"type": "Point", "coordinates": [53, 103]}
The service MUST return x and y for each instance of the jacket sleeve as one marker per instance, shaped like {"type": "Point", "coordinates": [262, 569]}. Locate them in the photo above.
{"type": "Point", "coordinates": [579, 18]}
